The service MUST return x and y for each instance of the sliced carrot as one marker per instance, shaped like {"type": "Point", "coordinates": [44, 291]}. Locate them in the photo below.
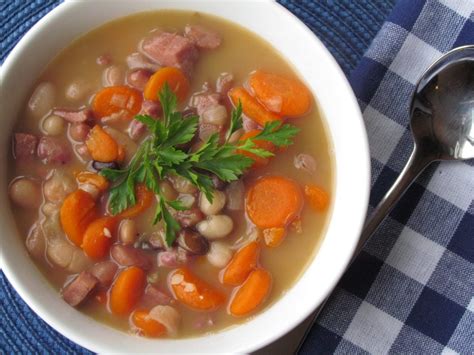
{"type": "Point", "coordinates": [99, 237]}
{"type": "Point", "coordinates": [317, 197]}
{"type": "Point", "coordinates": [251, 294]}
{"type": "Point", "coordinates": [251, 107]}
{"type": "Point", "coordinates": [117, 99]}
{"type": "Point", "coordinates": [175, 78]}
{"type": "Point", "coordinates": [101, 296]}
{"type": "Point", "coordinates": [190, 290]}
{"type": "Point", "coordinates": [282, 95]}
{"type": "Point", "coordinates": [144, 200]}
{"type": "Point", "coordinates": [258, 161]}
{"type": "Point", "coordinates": [101, 146]}
{"type": "Point", "coordinates": [273, 201]}
{"type": "Point", "coordinates": [148, 326]}
{"type": "Point", "coordinates": [77, 211]}
{"type": "Point", "coordinates": [241, 265]}
{"type": "Point", "coordinates": [87, 177]}
{"type": "Point", "coordinates": [273, 237]}
{"type": "Point", "coordinates": [127, 290]}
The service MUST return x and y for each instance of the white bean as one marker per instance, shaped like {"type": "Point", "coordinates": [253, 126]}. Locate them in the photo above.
{"type": "Point", "coordinates": [216, 115]}
{"type": "Point", "coordinates": [113, 76]}
{"type": "Point", "coordinates": [219, 254]}
{"type": "Point", "coordinates": [42, 99]}
{"type": "Point", "coordinates": [53, 125]}
{"type": "Point", "coordinates": [25, 193]}
{"type": "Point", "coordinates": [60, 252]}
{"type": "Point", "coordinates": [58, 186]}
{"type": "Point", "coordinates": [216, 226]}
{"type": "Point", "coordinates": [50, 208]}
{"type": "Point", "coordinates": [77, 90]}
{"type": "Point", "coordinates": [235, 195]}
{"type": "Point", "coordinates": [214, 207]}
{"type": "Point", "coordinates": [182, 185]}
{"type": "Point", "coordinates": [35, 241]}
{"type": "Point", "coordinates": [128, 232]}
{"type": "Point", "coordinates": [79, 261]}
{"type": "Point", "coordinates": [187, 200]}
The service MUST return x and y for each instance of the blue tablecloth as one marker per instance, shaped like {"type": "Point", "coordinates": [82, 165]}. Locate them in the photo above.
{"type": "Point", "coordinates": [411, 289]}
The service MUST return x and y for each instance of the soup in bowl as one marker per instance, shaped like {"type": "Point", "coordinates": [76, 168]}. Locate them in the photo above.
{"type": "Point", "coordinates": [173, 175]}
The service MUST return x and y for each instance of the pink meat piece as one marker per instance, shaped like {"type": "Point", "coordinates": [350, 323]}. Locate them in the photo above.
{"type": "Point", "coordinates": [151, 108]}
{"type": "Point", "coordinates": [224, 83]}
{"type": "Point", "coordinates": [74, 116]}
{"type": "Point", "coordinates": [203, 37]}
{"type": "Point", "coordinates": [79, 288]}
{"type": "Point", "coordinates": [249, 124]}
{"type": "Point", "coordinates": [208, 129]}
{"type": "Point", "coordinates": [153, 296]}
{"type": "Point", "coordinates": [104, 272]}
{"type": "Point", "coordinates": [202, 102]}
{"type": "Point", "coordinates": [138, 78]}
{"type": "Point", "coordinates": [104, 59]}
{"type": "Point", "coordinates": [25, 146]}
{"type": "Point", "coordinates": [139, 61]}
{"type": "Point", "coordinates": [53, 150]}
{"type": "Point", "coordinates": [168, 258]}
{"type": "Point", "coordinates": [127, 255]}
{"type": "Point", "coordinates": [171, 50]}
{"type": "Point", "coordinates": [189, 217]}
{"type": "Point", "coordinates": [136, 129]}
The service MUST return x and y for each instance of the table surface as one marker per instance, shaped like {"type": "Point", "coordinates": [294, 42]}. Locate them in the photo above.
{"type": "Point", "coordinates": [346, 27]}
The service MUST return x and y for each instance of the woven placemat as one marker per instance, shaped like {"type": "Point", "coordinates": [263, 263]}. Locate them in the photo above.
{"type": "Point", "coordinates": [345, 26]}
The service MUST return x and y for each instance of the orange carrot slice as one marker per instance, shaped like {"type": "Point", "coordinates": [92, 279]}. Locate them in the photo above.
{"type": "Point", "coordinates": [258, 161]}
{"type": "Point", "coordinates": [194, 292]}
{"type": "Point", "coordinates": [77, 212]}
{"type": "Point", "coordinates": [148, 326]}
{"type": "Point", "coordinates": [144, 200]}
{"type": "Point", "coordinates": [87, 177]}
{"type": "Point", "coordinates": [273, 237]}
{"type": "Point", "coordinates": [241, 265]}
{"type": "Point", "coordinates": [117, 99]}
{"type": "Point", "coordinates": [101, 146]}
{"type": "Point", "coordinates": [251, 107]}
{"type": "Point", "coordinates": [127, 290]}
{"type": "Point", "coordinates": [175, 78]}
{"type": "Point", "coordinates": [99, 237]}
{"type": "Point", "coordinates": [284, 96]}
{"type": "Point", "coordinates": [273, 201]}
{"type": "Point", "coordinates": [251, 294]}
{"type": "Point", "coordinates": [318, 198]}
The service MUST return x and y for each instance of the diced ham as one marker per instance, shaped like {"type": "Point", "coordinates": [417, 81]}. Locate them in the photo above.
{"type": "Point", "coordinates": [204, 101]}
{"type": "Point", "coordinates": [136, 129]}
{"type": "Point", "coordinates": [139, 61]}
{"type": "Point", "coordinates": [104, 59]}
{"type": "Point", "coordinates": [249, 124]}
{"type": "Point", "coordinates": [305, 162]}
{"type": "Point", "coordinates": [203, 37]}
{"type": "Point", "coordinates": [168, 258]}
{"type": "Point", "coordinates": [151, 108]}
{"type": "Point", "coordinates": [53, 150]}
{"type": "Point", "coordinates": [104, 272]}
{"type": "Point", "coordinates": [153, 296]}
{"type": "Point", "coordinates": [25, 146]}
{"type": "Point", "coordinates": [74, 116]}
{"type": "Point", "coordinates": [171, 50]}
{"type": "Point", "coordinates": [138, 78]}
{"type": "Point", "coordinates": [127, 255]}
{"type": "Point", "coordinates": [79, 288]}
{"type": "Point", "coordinates": [224, 83]}
{"type": "Point", "coordinates": [207, 129]}
{"type": "Point", "coordinates": [189, 217]}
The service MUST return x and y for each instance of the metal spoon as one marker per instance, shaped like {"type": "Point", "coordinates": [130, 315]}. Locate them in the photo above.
{"type": "Point", "coordinates": [442, 124]}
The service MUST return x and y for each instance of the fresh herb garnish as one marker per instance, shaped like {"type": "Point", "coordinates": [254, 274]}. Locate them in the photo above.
{"type": "Point", "coordinates": [160, 155]}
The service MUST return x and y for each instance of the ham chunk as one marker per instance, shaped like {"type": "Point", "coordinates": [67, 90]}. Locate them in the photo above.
{"type": "Point", "coordinates": [139, 61]}
{"type": "Point", "coordinates": [202, 37]}
{"type": "Point", "coordinates": [203, 102]}
{"type": "Point", "coordinates": [171, 50]}
{"type": "Point", "coordinates": [74, 116]}
{"type": "Point", "coordinates": [153, 296]}
{"type": "Point", "coordinates": [25, 146]}
{"type": "Point", "coordinates": [127, 255]}
{"type": "Point", "coordinates": [53, 150]}
{"type": "Point", "coordinates": [138, 78]}
{"type": "Point", "coordinates": [78, 290]}
{"type": "Point", "coordinates": [104, 272]}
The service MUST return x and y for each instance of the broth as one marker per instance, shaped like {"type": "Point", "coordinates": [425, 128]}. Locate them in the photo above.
{"type": "Point", "coordinates": [240, 53]}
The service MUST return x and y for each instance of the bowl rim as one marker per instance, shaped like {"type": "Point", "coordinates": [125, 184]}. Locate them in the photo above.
{"type": "Point", "coordinates": [364, 189]}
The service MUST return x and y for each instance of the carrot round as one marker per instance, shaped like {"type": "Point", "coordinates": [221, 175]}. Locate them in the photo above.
{"type": "Point", "coordinates": [175, 78]}
{"type": "Point", "coordinates": [194, 292]}
{"type": "Point", "coordinates": [148, 326]}
{"type": "Point", "coordinates": [77, 211]}
{"type": "Point", "coordinates": [144, 200]}
{"type": "Point", "coordinates": [98, 237]}
{"type": "Point", "coordinates": [251, 294]}
{"type": "Point", "coordinates": [251, 107]}
{"type": "Point", "coordinates": [284, 96]}
{"type": "Point", "coordinates": [117, 99]}
{"type": "Point", "coordinates": [127, 290]}
{"type": "Point", "coordinates": [317, 197]}
{"type": "Point", "coordinates": [241, 265]}
{"type": "Point", "coordinates": [258, 161]}
{"type": "Point", "coordinates": [101, 146]}
{"type": "Point", "coordinates": [273, 237]}
{"type": "Point", "coordinates": [87, 177]}
{"type": "Point", "coordinates": [273, 201]}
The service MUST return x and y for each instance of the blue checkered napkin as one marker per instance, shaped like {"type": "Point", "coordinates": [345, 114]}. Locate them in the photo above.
{"type": "Point", "coordinates": [411, 290]}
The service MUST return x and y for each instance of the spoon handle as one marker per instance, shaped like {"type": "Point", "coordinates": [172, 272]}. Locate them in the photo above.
{"type": "Point", "coordinates": [414, 166]}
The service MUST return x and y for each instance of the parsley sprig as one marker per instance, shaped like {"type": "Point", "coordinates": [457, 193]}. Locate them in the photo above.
{"type": "Point", "coordinates": [161, 155]}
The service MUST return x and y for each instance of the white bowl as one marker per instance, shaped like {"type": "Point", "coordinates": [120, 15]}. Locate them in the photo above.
{"type": "Point", "coordinates": [337, 102]}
